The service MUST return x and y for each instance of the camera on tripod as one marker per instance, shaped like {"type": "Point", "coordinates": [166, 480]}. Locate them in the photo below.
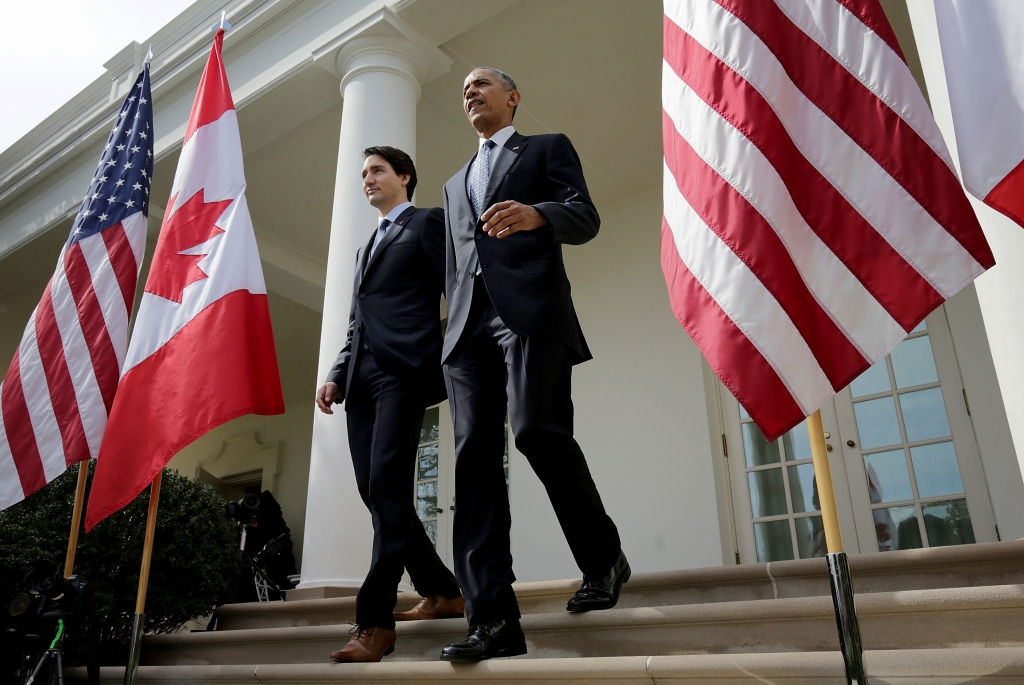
{"type": "Point", "coordinates": [248, 512]}
{"type": "Point", "coordinates": [43, 622]}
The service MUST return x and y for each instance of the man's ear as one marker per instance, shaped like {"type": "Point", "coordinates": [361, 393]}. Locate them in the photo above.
{"type": "Point", "coordinates": [513, 98]}
{"type": "Point", "coordinates": [405, 178]}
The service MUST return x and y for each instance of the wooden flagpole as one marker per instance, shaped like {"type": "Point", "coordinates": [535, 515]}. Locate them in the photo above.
{"type": "Point", "coordinates": [838, 567]}
{"type": "Point", "coordinates": [76, 518]}
{"type": "Point", "coordinates": [139, 620]}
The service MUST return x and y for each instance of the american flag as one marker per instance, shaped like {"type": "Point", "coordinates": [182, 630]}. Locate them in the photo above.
{"type": "Point", "coordinates": [57, 394]}
{"type": "Point", "coordinates": [812, 216]}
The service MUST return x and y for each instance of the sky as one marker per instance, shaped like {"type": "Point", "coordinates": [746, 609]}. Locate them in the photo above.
{"type": "Point", "coordinates": [51, 49]}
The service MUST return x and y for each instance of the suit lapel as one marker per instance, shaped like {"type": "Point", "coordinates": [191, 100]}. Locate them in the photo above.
{"type": "Point", "coordinates": [389, 236]}
{"type": "Point", "coordinates": [508, 155]}
{"type": "Point", "coordinates": [459, 194]}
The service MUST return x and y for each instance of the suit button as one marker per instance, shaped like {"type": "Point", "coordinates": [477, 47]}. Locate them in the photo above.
{"type": "Point", "coordinates": [479, 236]}
{"type": "Point", "coordinates": [362, 296]}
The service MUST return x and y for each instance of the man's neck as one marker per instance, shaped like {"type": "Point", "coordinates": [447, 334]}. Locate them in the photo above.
{"type": "Point", "coordinates": [488, 133]}
{"type": "Point", "coordinates": [384, 211]}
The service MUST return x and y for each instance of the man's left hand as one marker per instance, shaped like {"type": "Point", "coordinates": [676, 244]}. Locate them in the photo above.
{"type": "Point", "coordinates": [502, 219]}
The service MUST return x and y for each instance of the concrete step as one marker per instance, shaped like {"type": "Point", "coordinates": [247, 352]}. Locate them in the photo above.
{"type": "Point", "coordinates": [989, 616]}
{"type": "Point", "coordinates": [997, 563]}
{"type": "Point", "coordinates": [956, 666]}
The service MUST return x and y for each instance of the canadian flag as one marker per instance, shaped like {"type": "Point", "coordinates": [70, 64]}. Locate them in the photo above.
{"type": "Point", "coordinates": [202, 351]}
{"type": "Point", "coordinates": [982, 45]}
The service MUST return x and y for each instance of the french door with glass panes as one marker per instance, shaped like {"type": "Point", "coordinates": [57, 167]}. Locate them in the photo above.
{"type": "Point", "coordinates": [435, 478]}
{"type": "Point", "coordinates": [905, 463]}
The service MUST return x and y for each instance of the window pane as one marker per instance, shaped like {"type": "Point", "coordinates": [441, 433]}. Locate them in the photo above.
{"type": "Point", "coordinates": [431, 528]}
{"type": "Point", "coordinates": [426, 499]}
{"type": "Point", "coordinates": [888, 479]}
{"type": "Point", "coordinates": [877, 423]}
{"type": "Point", "coordinates": [430, 428]}
{"type": "Point", "coordinates": [924, 414]}
{"type": "Point", "coordinates": [427, 462]}
{"type": "Point", "coordinates": [948, 523]}
{"type": "Point", "coordinates": [743, 412]}
{"type": "Point", "coordinates": [802, 488]}
{"type": "Point", "coordinates": [772, 541]}
{"type": "Point", "coordinates": [874, 380]}
{"type": "Point", "coordinates": [767, 493]}
{"type": "Point", "coordinates": [897, 528]}
{"type": "Point", "coordinates": [920, 327]}
{"type": "Point", "coordinates": [758, 450]}
{"type": "Point", "coordinates": [810, 537]}
{"type": "Point", "coordinates": [913, 364]}
{"type": "Point", "coordinates": [797, 443]}
{"type": "Point", "coordinates": [936, 470]}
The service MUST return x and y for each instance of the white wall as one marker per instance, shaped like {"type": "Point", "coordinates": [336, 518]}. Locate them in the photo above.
{"type": "Point", "coordinates": [641, 415]}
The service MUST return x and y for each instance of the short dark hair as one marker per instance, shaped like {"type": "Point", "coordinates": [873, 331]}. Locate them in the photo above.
{"type": "Point", "coordinates": [400, 162]}
{"type": "Point", "coordinates": [507, 81]}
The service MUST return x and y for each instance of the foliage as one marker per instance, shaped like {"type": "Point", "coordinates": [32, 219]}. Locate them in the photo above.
{"type": "Point", "coordinates": [196, 565]}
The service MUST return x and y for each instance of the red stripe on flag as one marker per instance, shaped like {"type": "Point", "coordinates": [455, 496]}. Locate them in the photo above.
{"type": "Point", "coordinates": [1008, 195]}
{"type": "Point", "coordinates": [756, 243]}
{"type": "Point", "coordinates": [897, 286]}
{"type": "Point", "coordinates": [239, 376]}
{"type": "Point", "coordinates": [872, 15]}
{"type": "Point", "coordinates": [732, 356]}
{"type": "Point", "coordinates": [893, 144]}
{"type": "Point", "coordinates": [94, 327]}
{"type": "Point", "coordinates": [122, 259]}
{"type": "Point", "coordinates": [214, 95]}
{"type": "Point", "coordinates": [58, 381]}
{"type": "Point", "coordinates": [20, 435]}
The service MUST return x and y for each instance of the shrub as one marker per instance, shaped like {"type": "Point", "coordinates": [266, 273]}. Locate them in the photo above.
{"type": "Point", "coordinates": [196, 565]}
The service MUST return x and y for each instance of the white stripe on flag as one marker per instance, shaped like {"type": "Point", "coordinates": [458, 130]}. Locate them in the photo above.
{"type": "Point", "coordinates": [870, 59]}
{"type": "Point", "coordinates": [40, 411]}
{"type": "Point", "coordinates": [876, 195]}
{"type": "Point", "coordinates": [76, 352]}
{"type": "Point", "coordinates": [108, 292]}
{"type": "Point", "coordinates": [135, 228]}
{"type": "Point", "coordinates": [10, 481]}
{"type": "Point", "coordinates": [843, 297]}
{"type": "Point", "coordinates": [745, 300]}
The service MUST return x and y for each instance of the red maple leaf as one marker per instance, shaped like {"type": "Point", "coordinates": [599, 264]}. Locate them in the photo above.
{"type": "Point", "coordinates": [192, 224]}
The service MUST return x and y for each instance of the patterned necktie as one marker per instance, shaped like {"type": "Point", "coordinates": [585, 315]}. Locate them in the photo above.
{"type": "Point", "coordinates": [479, 174]}
{"type": "Point", "coordinates": [381, 230]}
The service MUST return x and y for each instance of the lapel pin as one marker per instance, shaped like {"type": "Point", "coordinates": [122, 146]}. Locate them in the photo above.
{"type": "Point", "coordinates": [516, 147]}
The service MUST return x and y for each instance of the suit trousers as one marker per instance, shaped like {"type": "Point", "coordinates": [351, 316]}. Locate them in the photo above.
{"type": "Point", "coordinates": [490, 370]}
{"type": "Point", "coordinates": [384, 415]}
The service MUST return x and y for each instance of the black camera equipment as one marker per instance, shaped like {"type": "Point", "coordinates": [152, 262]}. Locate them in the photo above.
{"type": "Point", "coordinates": [246, 512]}
{"type": "Point", "coordinates": [47, 620]}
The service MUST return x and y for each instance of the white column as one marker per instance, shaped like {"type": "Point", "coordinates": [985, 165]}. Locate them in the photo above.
{"type": "Point", "coordinates": [380, 84]}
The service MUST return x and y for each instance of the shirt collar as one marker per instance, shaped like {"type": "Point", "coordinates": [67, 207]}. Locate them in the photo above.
{"type": "Point", "coordinates": [393, 215]}
{"type": "Point", "coordinates": [499, 138]}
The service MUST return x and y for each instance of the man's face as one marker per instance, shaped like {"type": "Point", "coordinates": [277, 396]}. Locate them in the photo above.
{"type": "Point", "coordinates": [485, 100]}
{"type": "Point", "coordinates": [382, 186]}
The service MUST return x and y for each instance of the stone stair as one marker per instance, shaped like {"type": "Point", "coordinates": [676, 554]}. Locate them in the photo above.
{"type": "Point", "coordinates": [946, 615]}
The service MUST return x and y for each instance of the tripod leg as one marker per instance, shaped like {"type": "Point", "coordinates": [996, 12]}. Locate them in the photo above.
{"type": "Point", "coordinates": [39, 668]}
{"type": "Point", "coordinates": [60, 669]}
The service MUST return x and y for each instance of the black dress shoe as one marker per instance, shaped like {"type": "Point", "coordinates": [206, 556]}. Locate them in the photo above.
{"type": "Point", "coordinates": [488, 640]}
{"type": "Point", "coordinates": [603, 592]}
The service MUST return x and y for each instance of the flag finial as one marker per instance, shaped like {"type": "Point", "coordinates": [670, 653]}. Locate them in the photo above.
{"type": "Point", "coordinates": [149, 55]}
{"type": "Point", "coordinates": [223, 23]}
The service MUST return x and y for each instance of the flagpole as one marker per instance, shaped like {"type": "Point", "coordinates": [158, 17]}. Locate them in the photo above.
{"type": "Point", "coordinates": [76, 517]}
{"type": "Point", "coordinates": [139, 619]}
{"type": "Point", "coordinates": [838, 568]}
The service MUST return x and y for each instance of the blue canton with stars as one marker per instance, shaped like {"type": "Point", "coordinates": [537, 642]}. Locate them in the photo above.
{"type": "Point", "coordinates": [120, 186]}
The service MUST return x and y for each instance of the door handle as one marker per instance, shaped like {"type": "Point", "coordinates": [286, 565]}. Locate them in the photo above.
{"type": "Point", "coordinates": [850, 443]}
{"type": "Point", "coordinates": [440, 510]}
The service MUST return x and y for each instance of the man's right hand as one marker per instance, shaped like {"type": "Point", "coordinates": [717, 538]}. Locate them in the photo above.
{"type": "Point", "coordinates": [326, 395]}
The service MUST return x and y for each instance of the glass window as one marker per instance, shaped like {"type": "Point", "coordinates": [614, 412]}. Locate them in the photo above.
{"type": "Point", "coordinates": [936, 469]}
{"type": "Point", "coordinates": [810, 537]}
{"type": "Point", "coordinates": [872, 381]}
{"type": "Point", "coordinates": [767, 493]}
{"type": "Point", "coordinates": [758, 450]}
{"type": "Point", "coordinates": [924, 414]}
{"type": "Point", "coordinates": [888, 478]}
{"type": "Point", "coordinates": [797, 443]}
{"type": "Point", "coordinates": [897, 528]}
{"type": "Point", "coordinates": [948, 523]}
{"type": "Point", "coordinates": [913, 363]}
{"type": "Point", "coordinates": [772, 541]}
{"type": "Point", "coordinates": [802, 488]}
{"type": "Point", "coordinates": [877, 423]}
{"type": "Point", "coordinates": [427, 468]}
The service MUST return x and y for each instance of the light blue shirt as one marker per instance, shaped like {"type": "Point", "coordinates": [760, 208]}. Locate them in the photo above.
{"type": "Point", "coordinates": [391, 218]}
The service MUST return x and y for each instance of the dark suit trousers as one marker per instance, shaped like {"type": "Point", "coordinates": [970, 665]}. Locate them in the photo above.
{"type": "Point", "coordinates": [492, 368]}
{"type": "Point", "coordinates": [384, 416]}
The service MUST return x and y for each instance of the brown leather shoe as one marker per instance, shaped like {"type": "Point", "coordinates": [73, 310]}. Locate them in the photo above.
{"type": "Point", "coordinates": [366, 644]}
{"type": "Point", "coordinates": [434, 606]}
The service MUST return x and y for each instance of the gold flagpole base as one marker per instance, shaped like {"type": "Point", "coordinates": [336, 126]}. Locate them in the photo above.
{"type": "Point", "coordinates": [134, 648]}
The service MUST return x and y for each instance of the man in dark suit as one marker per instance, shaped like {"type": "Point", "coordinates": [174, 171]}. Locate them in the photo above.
{"type": "Point", "coordinates": [387, 373]}
{"type": "Point", "coordinates": [512, 340]}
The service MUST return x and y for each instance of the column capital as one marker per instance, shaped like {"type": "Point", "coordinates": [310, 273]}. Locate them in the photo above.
{"type": "Point", "coordinates": [382, 41]}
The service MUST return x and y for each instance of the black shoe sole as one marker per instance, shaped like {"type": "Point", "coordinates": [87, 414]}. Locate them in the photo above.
{"type": "Point", "coordinates": [599, 607]}
{"type": "Point", "coordinates": [514, 650]}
